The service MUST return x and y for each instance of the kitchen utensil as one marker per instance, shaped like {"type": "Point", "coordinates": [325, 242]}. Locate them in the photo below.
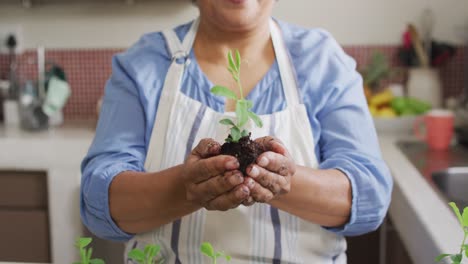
{"type": "Point", "coordinates": [41, 71]}
{"type": "Point", "coordinates": [438, 125]}
{"type": "Point", "coordinates": [58, 92]}
{"type": "Point", "coordinates": [418, 46]}
{"type": "Point", "coordinates": [31, 115]}
{"type": "Point", "coordinates": [425, 84]}
{"type": "Point", "coordinates": [427, 27]}
{"type": "Point", "coordinates": [13, 89]}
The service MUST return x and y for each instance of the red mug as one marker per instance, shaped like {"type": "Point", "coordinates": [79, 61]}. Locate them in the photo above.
{"type": "Point", "coordinates": [438, 128]}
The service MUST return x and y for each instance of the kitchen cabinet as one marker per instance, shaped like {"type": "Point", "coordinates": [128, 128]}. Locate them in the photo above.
{"type": "Point", "coordinates": [382, 246]}
{"type": "Point", "coordinates": [24, 221]}
{"type": "Point", "coordinates": [48, 163]}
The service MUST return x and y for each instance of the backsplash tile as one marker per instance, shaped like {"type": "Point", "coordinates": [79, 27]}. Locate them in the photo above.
{"type": "Point", "coordinates": [87, 71]}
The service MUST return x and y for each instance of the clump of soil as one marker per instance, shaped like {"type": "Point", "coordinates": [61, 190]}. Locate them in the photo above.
{"type": "Point", "coordinates": [246, 151]}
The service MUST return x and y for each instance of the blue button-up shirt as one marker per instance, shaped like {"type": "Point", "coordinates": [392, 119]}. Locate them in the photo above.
{"type": "Point", "coordinates": [329, 86]}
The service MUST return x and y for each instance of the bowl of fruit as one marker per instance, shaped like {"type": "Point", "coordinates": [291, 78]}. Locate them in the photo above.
{"type": "Point", "coordinates": [395, 114]}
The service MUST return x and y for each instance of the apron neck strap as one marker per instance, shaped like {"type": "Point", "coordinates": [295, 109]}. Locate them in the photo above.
{"type": "Point", "coordinates": [180, 50]}
{"type": "Point", "coordinates": [177, 49]}
{"type": "Point", "coordinates": [287, 73]}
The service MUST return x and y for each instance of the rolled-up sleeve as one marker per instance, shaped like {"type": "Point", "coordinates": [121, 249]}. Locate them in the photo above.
{"type": "Point", "coordinates": [118, 146]}
{"type": "Point", "coordinates": [348, 142]}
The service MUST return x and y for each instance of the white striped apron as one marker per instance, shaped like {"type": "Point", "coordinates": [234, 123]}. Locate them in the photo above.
{"type": "Point", "coordinates": [256, 234]}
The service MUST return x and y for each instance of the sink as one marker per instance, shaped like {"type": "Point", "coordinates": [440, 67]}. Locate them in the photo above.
{"type": "Point", "coordinates": [453, 183]}
{"type": "Point", "coordinates": [445, 170]}
{"type": "Point", "coordinates": [429, 161]}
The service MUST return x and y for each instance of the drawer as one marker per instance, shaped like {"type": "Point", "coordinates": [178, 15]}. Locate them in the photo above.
{"type": "Point", "coordinates": [23, 189]}
{"type": "Point", "coordinates": [25, 236]}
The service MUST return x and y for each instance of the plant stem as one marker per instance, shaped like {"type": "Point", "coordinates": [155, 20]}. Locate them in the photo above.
{"type": "Point", "coordinates": [463, 243]}
{"type": "Point", "coordinates": [239, 85]}
{"type": "Point", "coordinates": [83, 255]}
{"type": "Point", "coordinates": [214, 260]}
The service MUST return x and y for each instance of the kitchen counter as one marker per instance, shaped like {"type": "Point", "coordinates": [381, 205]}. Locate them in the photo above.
{"type": "Point", "coordinates": [422, 217]}
{"type": "Point", "coordinates": [58, 152]}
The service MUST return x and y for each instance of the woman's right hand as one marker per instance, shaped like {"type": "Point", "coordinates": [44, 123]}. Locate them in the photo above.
{"type": "Point", "coordinates": [213, 181]}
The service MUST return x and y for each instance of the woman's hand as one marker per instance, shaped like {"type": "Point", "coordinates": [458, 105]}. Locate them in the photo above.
{"type": "Point", "coordinates": [212, 180]}
{"type": "Point", "coordinates": [272, 172]}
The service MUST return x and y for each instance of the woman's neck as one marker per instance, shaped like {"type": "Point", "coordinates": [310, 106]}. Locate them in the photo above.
{"type": "Point", "coordinates": [218, 41]}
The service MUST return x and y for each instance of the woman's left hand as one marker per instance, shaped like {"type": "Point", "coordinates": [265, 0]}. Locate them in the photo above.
{"type": "Point", "coordinates": [272, 172]}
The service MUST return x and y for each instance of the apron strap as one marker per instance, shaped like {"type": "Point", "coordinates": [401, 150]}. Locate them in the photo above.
{"type": "Point", "coordinates": [287, 73]}
{"type": "Point", "coordinates": [179, 52]}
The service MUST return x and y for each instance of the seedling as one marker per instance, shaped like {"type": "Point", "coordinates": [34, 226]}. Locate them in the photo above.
{"type": "Point", "coordinates": [243, 106]}
{"type": "Point", "coordinates": [463, 219]}
{"type": "Point", "coordinates": [207, 249]}
{"type": "Point", "coordinates": [147, 256]}
{"type": "Point", "coordinates": [238, 142]}
{"type": "Point", "coordinates": [85, 254]}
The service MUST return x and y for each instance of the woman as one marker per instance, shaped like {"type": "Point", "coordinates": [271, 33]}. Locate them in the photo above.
{"type": "Point", "coordinates": [153, 173]}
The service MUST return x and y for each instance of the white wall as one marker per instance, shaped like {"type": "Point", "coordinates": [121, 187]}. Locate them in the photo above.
{"type": "Point", "coordinates": [117, 25]}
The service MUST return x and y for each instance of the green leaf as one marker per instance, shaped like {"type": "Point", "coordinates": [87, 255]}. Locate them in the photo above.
{"type": "Point", "coordinates": [90, 253]}
{"type": "Point", "coordinates": [84, 241]}
{"type": "Point", "coordinates": [97, 261]}
{"type": "Point", "coordinates": [245, 133]}
{"type": "Point", "coordinates": [441, 256]}
{"type": "Point", "coordinates": [157, 248]}
{"type": "Point", "coordinates": [249, 104]}
{"type": "Point", "coordinates": [148, 249]}
{"type": "Point", "coordinates": [137, 255]}
{"type": "Point", "coordinates": [235, 134]}
{"type": "Point", "coordinates": [465, 217]}
{"type": "Point", "coordinates": [231, 62]}
{"type": "Point", "coordinates": [228, 258]}
{"type": "Point", "coordinates": [223, 91]}
{"type": "Point", "coordinates": [238, 60]}
{"type": "Point", "coordinates": [258, 122]}
{"type": "Point", "coordinates": [456, 258]}
{"type": "Point", "coordinates": [227, 121]}
{"type": "Point", "coordinates": [457, 212]}
{"type": "Point", "coordinates": [242, 113]}
{"type": "Point", "coordinates": [207, 249]}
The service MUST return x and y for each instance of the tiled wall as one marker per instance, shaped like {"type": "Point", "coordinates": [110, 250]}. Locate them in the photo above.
{"type": "Point", "coordinates": [87, 72]}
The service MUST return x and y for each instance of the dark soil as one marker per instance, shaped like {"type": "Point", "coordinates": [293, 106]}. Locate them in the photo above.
{"type": "Point", "coordinates": [246, 151]}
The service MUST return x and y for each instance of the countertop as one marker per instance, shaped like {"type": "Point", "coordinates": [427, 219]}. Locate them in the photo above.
{"type": "Point", "coordinates": [421, 216]}
{"type": "Point", "coordinates": [61, 146]}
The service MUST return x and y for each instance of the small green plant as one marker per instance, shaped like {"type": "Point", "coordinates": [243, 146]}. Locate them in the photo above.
{"type": "Point", "coordinates": [243, 106]}
{"type": "Point", "coordinates": [146, 256]}
{"type": "Point", "coordinates": [85, 254]}
{"type": "Point", "coordinates": [463, 219]}
{"type": "Point", "coordinates": [377, 70]}
{"type": "Point", "coordinates": [207, 249]}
